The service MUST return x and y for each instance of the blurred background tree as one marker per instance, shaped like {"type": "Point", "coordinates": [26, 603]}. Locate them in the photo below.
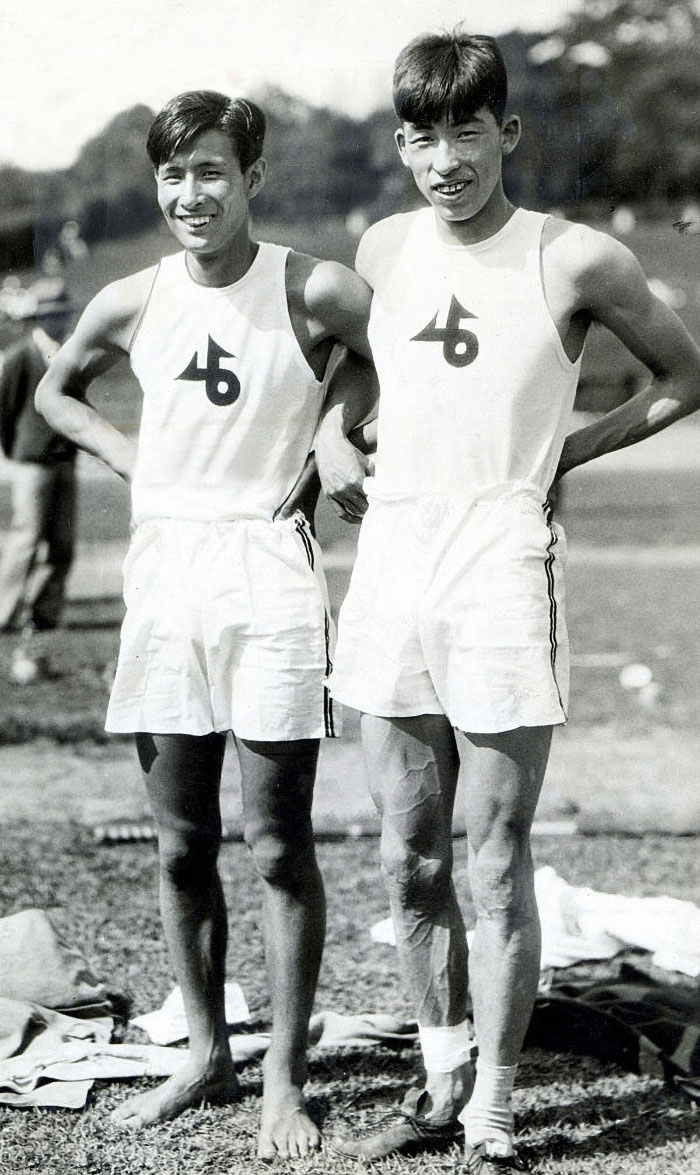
{"type": "Point", "coordinates": [609, 103]}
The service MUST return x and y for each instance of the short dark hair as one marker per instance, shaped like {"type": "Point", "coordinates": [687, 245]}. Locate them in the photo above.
{"type": "Point", "coordinates": [449, 75]}
{"type": "Point", "coordinates": [189, 115]}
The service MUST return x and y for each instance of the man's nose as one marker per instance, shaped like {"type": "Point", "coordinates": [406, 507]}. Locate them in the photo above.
{"type": "Point", "coordinates": [189, 191]}
{"type": "Point", "coordinates": [446, 157]}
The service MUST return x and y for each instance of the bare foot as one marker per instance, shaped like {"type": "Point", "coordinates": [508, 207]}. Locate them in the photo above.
{"type": "Point", "coordinates": [190, 1086]}
{"type": "Point", "coordinates": [286, 1130]}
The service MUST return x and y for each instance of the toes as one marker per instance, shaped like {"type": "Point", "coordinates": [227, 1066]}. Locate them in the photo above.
{"type": "Point", "coordinates": [127, 1119]}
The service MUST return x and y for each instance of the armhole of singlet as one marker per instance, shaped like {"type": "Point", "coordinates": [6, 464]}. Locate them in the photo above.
{"type": "Point", "coordinates": [570, 364]}
{"type": "Point", "coordinates": [144, 308]}
{"type": "Point", "coordinates": [303, 361]}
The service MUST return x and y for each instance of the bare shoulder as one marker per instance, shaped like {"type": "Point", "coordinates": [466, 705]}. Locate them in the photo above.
{"type": "Point", "coordinates": [595, 264]}
{"type": "Point", "coordinates": [380, 242]}
{"type": "Point", "coordinates": [319, 287]}
{"type": "Point", "coordinates": [111, 317]}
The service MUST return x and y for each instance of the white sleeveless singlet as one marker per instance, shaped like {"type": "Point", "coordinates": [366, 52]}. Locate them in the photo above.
{"type": "Point", "coordinates": [476, 388]}
{"type": "Point", "coordinates": [230, 404]}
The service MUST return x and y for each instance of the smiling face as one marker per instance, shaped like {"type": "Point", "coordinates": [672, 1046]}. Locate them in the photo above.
{"type": "Point", "coordinates": [457, 168]}
{"type": "Point", "coordinates": [204, 195]}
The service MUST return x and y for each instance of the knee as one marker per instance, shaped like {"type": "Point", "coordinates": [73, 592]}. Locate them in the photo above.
{"type": "Point", "coordinates": [187, 860]}
{"type": "Point", "coordinates": [501, 880]}
{"type": "Point", "coordinates": [280, 860]}
{"type": "Point", "coordinates": [419, 880]}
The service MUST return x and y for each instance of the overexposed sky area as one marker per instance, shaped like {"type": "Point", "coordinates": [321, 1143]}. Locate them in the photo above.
{"type": "Point", "coordinates": [70, 65]}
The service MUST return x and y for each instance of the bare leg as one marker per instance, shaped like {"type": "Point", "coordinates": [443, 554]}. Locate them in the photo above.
{"type": "Point", "coordinates": [32, 489]}
{"type": "Point", "coordinates": [278, 781]}
{"type": "Point", "coordinates": [413, 768]}
{"type": "Point", "coordinates": [182, 774]}
{"type": "Point", "coordinates": [503, 775]}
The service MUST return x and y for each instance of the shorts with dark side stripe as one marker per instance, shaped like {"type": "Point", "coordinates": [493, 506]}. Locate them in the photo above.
{"type": "Point", "coordinates": [227, 628]}
{"type": "Point", "coordinates": [457, 609]}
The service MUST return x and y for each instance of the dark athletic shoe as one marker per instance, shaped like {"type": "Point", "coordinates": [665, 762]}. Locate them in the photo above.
{"type": "Point", "coordinates": [478, 1162]}
{"type": "Point", "coordinates": [411, 1135]}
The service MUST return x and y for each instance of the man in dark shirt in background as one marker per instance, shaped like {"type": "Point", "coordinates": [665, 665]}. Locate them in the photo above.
{"type": "Point", "coordinates": [38, 550]}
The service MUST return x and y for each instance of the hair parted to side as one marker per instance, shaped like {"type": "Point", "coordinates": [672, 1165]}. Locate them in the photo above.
{"type": "Point", "coordinates": [449, 75]}
{"type": "Point", "coordinates": [189, 115]}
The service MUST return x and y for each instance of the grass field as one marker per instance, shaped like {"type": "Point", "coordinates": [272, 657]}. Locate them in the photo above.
{"type": "Point", "coordinates": [577, 1115]}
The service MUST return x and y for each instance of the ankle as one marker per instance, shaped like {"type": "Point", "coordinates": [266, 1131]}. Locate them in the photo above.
{"type": "Point", "coordinates": [488, 1116]}
{"type": "Point", "coordinates": [449, 1092]}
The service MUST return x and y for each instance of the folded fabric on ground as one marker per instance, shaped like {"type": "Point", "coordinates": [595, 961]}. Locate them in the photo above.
{"type": "Point", "coordinates": [580, 923]}
{"type": "Point", "coordinates": [644, 1027]}
{"type": "Point", "coordinates": [168, 1023]}
{"type": "Point", "coordinates": [48, 1058]}
{"type": "Point", "coordinates": [36, 965]}
{"type": "Point", "coordinates": [329, 1030]}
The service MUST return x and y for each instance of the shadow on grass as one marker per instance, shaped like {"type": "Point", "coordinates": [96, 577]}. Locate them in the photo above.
{"type": "Point", "coordinates": [636, 1121]}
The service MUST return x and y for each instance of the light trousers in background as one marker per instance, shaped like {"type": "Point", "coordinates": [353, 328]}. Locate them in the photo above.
{"type": "Point", "coordinates": [38, 549]}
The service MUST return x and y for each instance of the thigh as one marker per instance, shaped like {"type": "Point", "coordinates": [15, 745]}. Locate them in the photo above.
{"type": "Point", "coordinates": [493, 619]}
{"type": "Point", "coordinates": [502, 777]}
{"type": "Point", "coordinates": [413, 768]}
{"type": "Point", "coordinates": [277, 784]}
{"type": "Point", "coordinates": [182, 773]}
{"type": "Point", "coordinates": [379, 665]}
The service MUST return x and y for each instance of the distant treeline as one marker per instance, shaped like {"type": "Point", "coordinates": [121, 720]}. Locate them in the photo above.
{"type": "Point", "coordinates": [609, 105]}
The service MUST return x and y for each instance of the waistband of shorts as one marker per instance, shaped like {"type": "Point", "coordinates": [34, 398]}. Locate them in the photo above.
{"type": "Point", "coordinates": [476, 496]}
{"type": "Point", "coordinates": [174, 523]}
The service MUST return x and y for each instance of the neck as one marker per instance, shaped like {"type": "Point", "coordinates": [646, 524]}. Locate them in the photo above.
{"type": "Point", "coordinates": [224, 268]}
{"type": "Point", "coordinates": [486, 223]}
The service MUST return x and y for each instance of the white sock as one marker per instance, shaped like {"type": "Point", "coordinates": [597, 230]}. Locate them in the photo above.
{"type": "Point", "coordinates": [448, 1048]}
{"type": "Point", "coordinates": [488, 1116]}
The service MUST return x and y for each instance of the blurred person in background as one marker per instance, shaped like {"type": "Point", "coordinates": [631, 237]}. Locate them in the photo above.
{"type": "Point", "coordinates": [38, 550]}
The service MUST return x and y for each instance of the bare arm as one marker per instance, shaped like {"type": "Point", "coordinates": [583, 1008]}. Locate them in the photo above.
{"type": "Point", "coordinates": [341, 469]}
{"type": "Point", "coordinates": [334, 304]}
{"type": "Point", "coordinates": [346, 435]}
{"type": "Point", "coordinates": [615, 293]}
{"type": "Point", "coordinates": [100, 339]}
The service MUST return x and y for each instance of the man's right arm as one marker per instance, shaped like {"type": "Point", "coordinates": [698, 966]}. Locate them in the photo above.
{"type": "Point", "coordinates": [347, 432]}
{"type": "Point", "coordinates": [101, 337]}
{"type": "Point", "coordinates": [343, 437]}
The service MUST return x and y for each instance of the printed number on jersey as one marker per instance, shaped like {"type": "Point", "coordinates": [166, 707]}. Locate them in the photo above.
{"type": "Point", "coordinates": [221, 385]}
{"type": "Point", "coordinates": [460, 346]}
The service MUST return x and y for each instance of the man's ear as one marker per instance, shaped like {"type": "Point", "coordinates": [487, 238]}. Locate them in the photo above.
{"type": "Point", "coordinates": [510, 133]}
{"type": "Point", "coordinates": [400, 140]}
{"type": "Point", "coordinates": [255, 177]}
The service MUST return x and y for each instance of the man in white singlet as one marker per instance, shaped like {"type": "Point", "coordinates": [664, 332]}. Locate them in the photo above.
{"type": "Point", "coordinates": [227, 624]}
{"type": "Point", "coordinates": [452, 640]}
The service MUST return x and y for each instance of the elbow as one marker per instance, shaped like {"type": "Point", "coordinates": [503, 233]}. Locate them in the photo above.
{"type": "Point", "coordinates": [44, 402]}
{"type": "Point", "coordinates": [40, 399]}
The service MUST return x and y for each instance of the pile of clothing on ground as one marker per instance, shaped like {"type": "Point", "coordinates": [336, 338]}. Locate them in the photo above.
{"type": "Point", "coordinates": [57, 1021]}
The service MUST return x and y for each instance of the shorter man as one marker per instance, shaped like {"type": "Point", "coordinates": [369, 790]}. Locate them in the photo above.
{"type": "Point", "coordinates": [227, 625]}
{"type": "Point", "coordinates": [38, 550]}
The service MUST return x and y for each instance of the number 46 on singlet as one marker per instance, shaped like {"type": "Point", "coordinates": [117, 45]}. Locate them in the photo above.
{"type": "Point", "coordinates": [460, 347]}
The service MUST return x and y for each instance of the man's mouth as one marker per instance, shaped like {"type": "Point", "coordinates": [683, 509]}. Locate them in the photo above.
{"type": "Point", "coordinates": [196, 221]}
{"type": "Point", "coordinates": [453, 189]}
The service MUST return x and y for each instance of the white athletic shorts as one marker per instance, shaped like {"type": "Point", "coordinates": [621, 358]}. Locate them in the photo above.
{"type": "Point", "coordinates": [227, 628]}
{"type": "Point", "coordinates": [459, 611]}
